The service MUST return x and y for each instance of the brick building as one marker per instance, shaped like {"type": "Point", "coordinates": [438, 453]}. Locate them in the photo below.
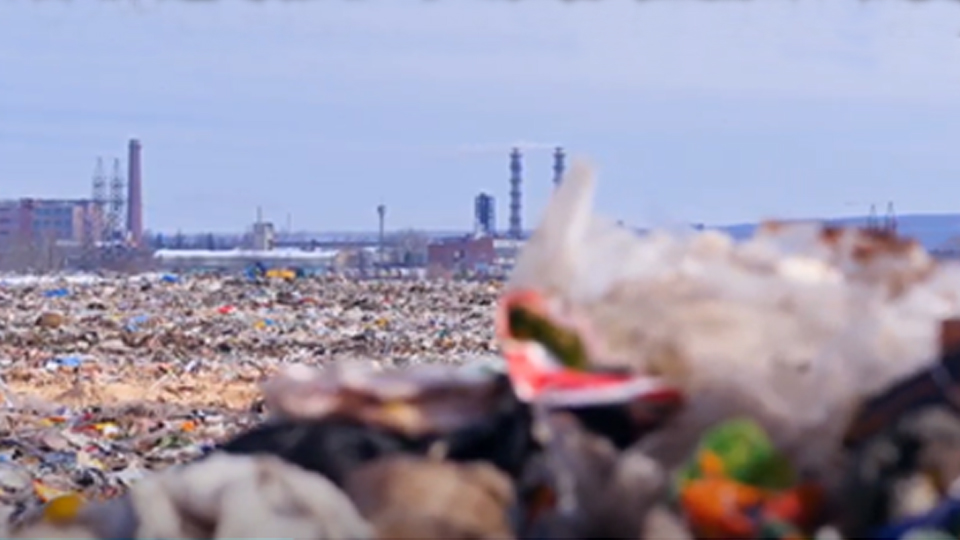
{"type": "Point", "coordinates": [38, 220]}
{"type": "Point", "coordinates": [459, 254]}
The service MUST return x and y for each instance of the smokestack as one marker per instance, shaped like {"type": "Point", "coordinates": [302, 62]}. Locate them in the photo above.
{"type": "Point", "coordinates": [134, 194]}
{"type": "Point", "coordinates": [558, 157]}
{"type": "Point", "coordinates": [516, 178]}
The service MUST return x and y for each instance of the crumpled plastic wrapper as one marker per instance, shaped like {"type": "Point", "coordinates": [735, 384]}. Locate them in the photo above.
{"type": "Point", "coordinates": [793, 327]}
{"type": "Point", "coordinates": [219, 497]}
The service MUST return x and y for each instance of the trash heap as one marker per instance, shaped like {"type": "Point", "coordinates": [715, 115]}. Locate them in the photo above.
{"type": "Point", "coordinates": [801, 384]}
{"type": "Point", "coordinates": [106, 379]}
{"type": "Point", "coordinates": [166, 338]}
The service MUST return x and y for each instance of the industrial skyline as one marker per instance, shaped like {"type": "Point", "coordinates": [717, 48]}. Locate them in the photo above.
{"type": "Point", "coordinates": [744, 111]}
{"type": "Point", "coordinates": [50, 232]}
{"type": "Point", "coordinates": [114, 212]}
{"type": "Point", "coordinates": [116, 201]}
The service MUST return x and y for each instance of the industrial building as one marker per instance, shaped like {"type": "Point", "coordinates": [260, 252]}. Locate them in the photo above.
{"type": "Point", "coordinates": [469, 253]}
{"type": "Point", "coordinates": [487, 251]}
{"type": "Point", "coordinates": [42, 234]}
{"type": "Point", "coordinates": [47, 233]}
{"type": "Point", "coordinates": [40, 220]}
{"type": "Point", "coordinates": [263, 235]}
{"type": "Point", "coordinates": [505, 251]}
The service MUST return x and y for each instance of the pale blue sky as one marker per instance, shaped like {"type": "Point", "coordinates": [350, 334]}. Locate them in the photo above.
{"type": "Point", "coordinates": [701, 111]}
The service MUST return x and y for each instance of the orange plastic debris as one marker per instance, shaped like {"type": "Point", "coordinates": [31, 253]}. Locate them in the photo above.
{"type": "Point", "coordinates": [63, 508]}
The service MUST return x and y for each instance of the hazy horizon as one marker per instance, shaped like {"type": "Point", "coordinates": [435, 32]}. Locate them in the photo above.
{"type": "Point", "coordinates": [720, 113]}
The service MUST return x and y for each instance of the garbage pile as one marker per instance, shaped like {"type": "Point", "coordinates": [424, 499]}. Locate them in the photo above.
{"type": "Point", "coordinates": [106, 379]}
{"type": "Point", "coordinates": [802, 384]}
{"type": "Point", "coordinates": [166, 338]}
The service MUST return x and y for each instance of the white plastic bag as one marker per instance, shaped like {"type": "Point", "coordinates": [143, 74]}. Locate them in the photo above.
{"type": "Point", "coordinates": [792, 327]}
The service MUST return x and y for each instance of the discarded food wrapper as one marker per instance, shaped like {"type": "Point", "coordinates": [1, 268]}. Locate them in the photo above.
{"type": "Point", "coordinates": [547, 363]}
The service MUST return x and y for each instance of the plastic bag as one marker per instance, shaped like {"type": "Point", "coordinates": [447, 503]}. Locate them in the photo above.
{"type": "Point", "coordinates": [792, 327]}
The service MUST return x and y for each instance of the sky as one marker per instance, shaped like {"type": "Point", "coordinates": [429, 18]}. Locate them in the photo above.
{"type": "Point", "coordinates": [317, 111]}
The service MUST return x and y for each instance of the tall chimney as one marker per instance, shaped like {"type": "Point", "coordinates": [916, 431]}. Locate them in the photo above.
{"type": "Point", "coordinates": [558, 166]}
{"type": "Point", "coordinates": [516, 178]}
{"type": "Point", "coordinates": [134, 194]}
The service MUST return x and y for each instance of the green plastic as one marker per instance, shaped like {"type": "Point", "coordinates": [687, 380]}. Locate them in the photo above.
{"type": "Point", "coordinates": [563, 344]}
{"type": "Point", "coordinates": [748, 455]}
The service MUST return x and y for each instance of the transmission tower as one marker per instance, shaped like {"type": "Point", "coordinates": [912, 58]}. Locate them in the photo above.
{"type": "Point", "coordinates": [100, 199]}
{"type": "Point", "coordinates": [93, 215]}
{"type": "Point", "coordinates": [890, 220]}
{"type": "Point", "coordinates": [873, 222]}
{"type": "Point", "coordinates": [100, 196]}
{"type": "Point", "coordinates": [116, 206]}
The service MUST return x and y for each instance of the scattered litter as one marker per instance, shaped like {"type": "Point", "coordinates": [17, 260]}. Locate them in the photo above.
{"type": "Point", "coordinates": [107, 380]}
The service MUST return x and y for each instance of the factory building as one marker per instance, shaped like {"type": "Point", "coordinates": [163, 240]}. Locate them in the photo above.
{"type": "Point", "coordinates": [506, 251]}
{"type": "Point", "coordinates": [38, 220]}
{"type": "Point", "coordinates": [468, 253]}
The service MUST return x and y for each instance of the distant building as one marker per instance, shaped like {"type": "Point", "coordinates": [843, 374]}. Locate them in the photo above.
{"type": "Point", "coordinates": [506, 251]}
{"type": "Point", "coordinates": [467, 253]}
{"type": "Point", "coordinates": [263, 237]}
{"type": "Point", "coordinates": [239, 259]}
{"type": "Point", "coordinates": [53, 220]}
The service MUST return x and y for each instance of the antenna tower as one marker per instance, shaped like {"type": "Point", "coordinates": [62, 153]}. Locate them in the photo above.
{"type": "Point", "coordinates": [93, 213]}
{"type": "Point", "coordinates": [115, 228]}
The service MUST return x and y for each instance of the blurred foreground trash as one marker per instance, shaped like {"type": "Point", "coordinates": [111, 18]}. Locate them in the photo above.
{"type": "Point", "coordinates": [452, 502]}
{"type": "Point", "coordinates": [219, 497]}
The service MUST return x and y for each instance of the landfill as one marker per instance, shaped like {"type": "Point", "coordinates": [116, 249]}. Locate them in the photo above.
{"type": "Point", "coordinates": [804, 383]}
{"type": "Point", "coordinates": [105, 379]}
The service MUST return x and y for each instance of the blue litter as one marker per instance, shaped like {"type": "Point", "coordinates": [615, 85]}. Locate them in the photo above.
{"type": "Point", "coordinates": [169, 278]}
{"type": "Point", "coordinates": [945, 517]}
{"type": "Point", "coordinates": [135, 322]}
{"type": "Point", "coordinates": [56, 293]}
{"type": "Point", "coordinates": [66, 362]}
{"type": "Point", "coordinates": [60, 458]}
